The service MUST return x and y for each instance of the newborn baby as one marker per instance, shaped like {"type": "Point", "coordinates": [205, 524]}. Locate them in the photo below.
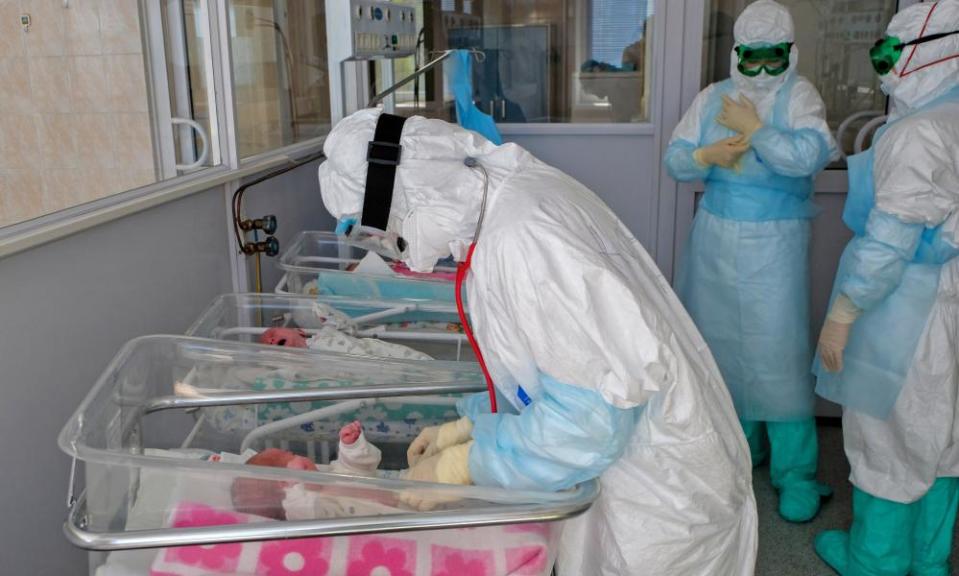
{"type": "Point", "coordinates": [292, 337]}
{"type": "Point", "coordinates": [283, 500]}
{"type": "Point", "coordinates": [334, 335]}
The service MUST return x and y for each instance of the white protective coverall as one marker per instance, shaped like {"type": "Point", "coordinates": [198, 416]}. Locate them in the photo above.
{"type": "Point", "coordinates": [559, 290]}
{"type": "Point", "coordinates": [916, 175]}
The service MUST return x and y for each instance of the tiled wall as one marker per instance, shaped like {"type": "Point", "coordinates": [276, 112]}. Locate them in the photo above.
{"type": "Point", "coordinates": [74, 116]}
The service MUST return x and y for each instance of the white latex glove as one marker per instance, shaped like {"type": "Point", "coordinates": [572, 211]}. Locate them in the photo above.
{"type": "Point", "coordinates": [451, 466]}
{"type": "Point", "coordinates": [435, 439]}
{"type": "Point", "coordinates": [725, 153]}
{"type": "Point", "coordinates": [740, 115]}
{"type": "Point", "coordinates": [835, 333]}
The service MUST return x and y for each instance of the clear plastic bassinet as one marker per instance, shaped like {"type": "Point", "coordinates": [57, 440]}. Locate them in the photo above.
{"type": "Point", "coordinates": [322, 263]}
{"type": "Point", "coordinates": [144, 434]}
{"type": "Point", "coordinates": [427, 326]}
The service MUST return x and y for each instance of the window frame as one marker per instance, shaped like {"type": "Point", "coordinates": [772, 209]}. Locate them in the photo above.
{"type": "Point", "coordinates": [645, 128]}
{"type": "Point", "coordinates": [21, 236]}
{"type": "Point", "coordinates": [567, 128]}
{"type": "Point", "coordinates": [46, 228]}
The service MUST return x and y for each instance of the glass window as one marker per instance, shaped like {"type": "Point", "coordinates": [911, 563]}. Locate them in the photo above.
{"type": "Point", "coordinates": [546, 60]}
{"type": "Point", "coordinates": [833, 37]}
{"type": "Point", "coordinates": [187, 135]}
{"type": "Point", "coordinates": [281, 84]}
{"type": "Point", "coordinates": [88, 98]}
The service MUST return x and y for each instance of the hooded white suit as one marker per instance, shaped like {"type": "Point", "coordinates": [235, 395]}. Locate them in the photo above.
{"type": "Point", "coordinates": [898, 288]}
{"type": "Point", "coordinates": [916, 174]}
{"type": "Point", "coordinates": [571, 312]}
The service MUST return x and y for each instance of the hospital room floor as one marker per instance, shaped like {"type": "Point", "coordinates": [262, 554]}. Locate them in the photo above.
{"type": "Point", "coordinates": [787, 549]}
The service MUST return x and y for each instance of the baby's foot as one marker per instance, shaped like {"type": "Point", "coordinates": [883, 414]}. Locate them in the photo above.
{"type": "Point", "coordinates": [350, 433]}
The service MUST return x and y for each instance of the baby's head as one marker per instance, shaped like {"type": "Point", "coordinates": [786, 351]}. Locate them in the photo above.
{"type": "Point", "coordinates": [265, 497]}
{"type": "Point", "coordinates": [291, 337]}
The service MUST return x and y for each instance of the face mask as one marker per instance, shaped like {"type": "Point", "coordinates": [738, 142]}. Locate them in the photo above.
{"type": "Point", "coordinates": [439, 231]}
{"type": "Point", "coordinates": [432, 239]}
{"type": "Point", "coordinates": [764, 83]}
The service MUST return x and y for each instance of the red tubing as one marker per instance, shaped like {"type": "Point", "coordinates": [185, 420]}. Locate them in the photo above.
{"type": "Point", "coordinates": [461, 272]}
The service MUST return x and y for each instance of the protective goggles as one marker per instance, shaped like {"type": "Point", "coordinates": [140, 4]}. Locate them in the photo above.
{"type": "Point", "coordinates": [885, 54]}
{"type": "Point", "coordinates": [753, 60]}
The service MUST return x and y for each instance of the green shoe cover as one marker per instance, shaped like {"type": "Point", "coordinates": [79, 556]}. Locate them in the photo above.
{"type": "Point", "coordinates": [833, 547]}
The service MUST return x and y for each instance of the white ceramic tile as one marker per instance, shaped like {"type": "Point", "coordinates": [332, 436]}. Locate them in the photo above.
{"type": "Point", "coordinates": [120, 27]}
{"type": "Point", "coordinates": [15, 92]}
{"type": "Point", "coordinates": [50, 84]}
{"type": "Point", "coordinates": [47, 35]}
{"type": "Point", "coordinates": [82, 26]}
{"type": "Point", "coordinates": [88, 79]}
{"type": "Point", "coordinates": [127, 82]}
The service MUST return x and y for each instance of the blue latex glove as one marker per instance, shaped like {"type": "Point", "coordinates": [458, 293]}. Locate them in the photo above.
{"type": "Point", "coordinates": [344, 225]}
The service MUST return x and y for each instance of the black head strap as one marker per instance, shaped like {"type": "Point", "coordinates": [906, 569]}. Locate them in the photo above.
{"type": "Point", "coordinates": [382, 157]}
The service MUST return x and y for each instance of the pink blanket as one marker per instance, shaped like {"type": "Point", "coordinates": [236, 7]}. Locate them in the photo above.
{"type": "Point", "coordinates": [520, 550]}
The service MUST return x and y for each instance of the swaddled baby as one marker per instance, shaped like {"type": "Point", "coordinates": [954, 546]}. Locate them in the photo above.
{"type": "Point", "coordinates": [282, 500]}
{"type": "Point", "coordinates": [336, 332]}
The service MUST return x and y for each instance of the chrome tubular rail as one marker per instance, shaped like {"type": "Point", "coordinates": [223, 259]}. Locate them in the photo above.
{"type": "Point", "coordinates": [375, 100]}
{"type": "Point", "coordinates": [232, 398]}
{"type": "Point", "coordinates": [75, 528]}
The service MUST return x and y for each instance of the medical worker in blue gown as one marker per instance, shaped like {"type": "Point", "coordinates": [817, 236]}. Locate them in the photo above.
{"type": "Point", "coordinates": [890, 347]}
{"type": "Point", "coordinates": [757, 140]}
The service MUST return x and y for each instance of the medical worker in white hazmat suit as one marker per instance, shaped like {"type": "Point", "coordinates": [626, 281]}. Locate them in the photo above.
{"type": "Point", "coordinates": [598, 369]}
{"type": "Point", "coordinates": [890, 347]}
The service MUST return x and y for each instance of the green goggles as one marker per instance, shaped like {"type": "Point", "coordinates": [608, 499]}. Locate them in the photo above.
{"type": "Point", "coordinates": [885, 54]}
{"type": "Point", "coordinates": [753, 60]}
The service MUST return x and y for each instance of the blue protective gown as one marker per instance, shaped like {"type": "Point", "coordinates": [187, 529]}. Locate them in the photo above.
{"type": "Point", "coordinates": [898, 382]}
{"type": "Point", "coordinates": [891, 271]}
{"type": "Point", "coordinates": [745, 275]}
{"type": "Point", "coordinates": [570, 436]}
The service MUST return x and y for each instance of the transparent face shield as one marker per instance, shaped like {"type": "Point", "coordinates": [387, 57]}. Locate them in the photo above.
{"type": "Point", "coordinates": [387, 244]}
{"type": "Point", "coordinates": [391, 244]}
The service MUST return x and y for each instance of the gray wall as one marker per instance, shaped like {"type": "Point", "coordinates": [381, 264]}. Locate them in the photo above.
{"type": "Point", "coordinates": [295, 199]}
{"type": "Point", "coordinates": [65, 310]}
